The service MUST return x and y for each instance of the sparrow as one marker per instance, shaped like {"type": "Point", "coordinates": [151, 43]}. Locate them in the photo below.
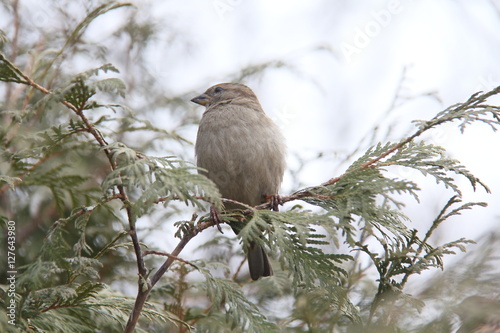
{"type": "Point", "coordinates": [242, 151]}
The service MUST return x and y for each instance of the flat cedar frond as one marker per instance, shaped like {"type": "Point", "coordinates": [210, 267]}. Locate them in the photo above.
{"type": "Point", "coordinates": [78, 94]}
{"type": "Point", "coordinates": [370, 154]}
{"type": "Point", "coordinates": [390, 224]}
{"type": "Point", "coordinates": [432, 160]}
{"type": "Point", "coordinates": [294, 236]}
{"type": "Point", "coordinates": [95, 308]}
{"type": "Point", "coordinates": [12, 182]}
{"type": "Point", "coordinates": [158, 179]}
{"type": "Point", "coordinates": [325, 305]}
{"type": "Point", "coordinates": [10, 73]}
{"type": "Point", "coordinates": [240, 312]}
{"type": "Point", "coordinates": [473, 110]}
{"type": "Point", "coordinates": [95, 72]}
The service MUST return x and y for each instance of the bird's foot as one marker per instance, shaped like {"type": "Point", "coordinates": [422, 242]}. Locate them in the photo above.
{"type": "Point", "coordinates": [215, 216]}
{"type": "Point", "coordinates": [275, 200]}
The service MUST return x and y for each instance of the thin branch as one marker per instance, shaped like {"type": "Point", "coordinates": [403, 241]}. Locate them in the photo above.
{"type": "Point", "coordinates": [178, 249]}
{"type": "Point", "coordinates": [237, 272]}
{"type": "Point", "coordinates": [123, 193]}
{"type": "Point", "coordinates": [145, 287]}
{"type": "Point", "coordinates": [164, 254]}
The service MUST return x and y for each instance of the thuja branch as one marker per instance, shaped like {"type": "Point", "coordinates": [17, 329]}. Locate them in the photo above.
{"type": "Point", "coordinates": [473, 109]}
{"type": "Point", "coordinates": [14, 74]}
{"type": "Point", "coordinates": [147, 286]}
{"type": "Point", "coordinates": [168, 255]}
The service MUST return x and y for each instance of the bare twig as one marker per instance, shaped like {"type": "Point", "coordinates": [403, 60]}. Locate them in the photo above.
{"type": "Point", "coordinates": [237, 272]}
{"type": "Point", "coordinates": [146, 287]}
{"type": "Point", "coordinates": [164, 254]}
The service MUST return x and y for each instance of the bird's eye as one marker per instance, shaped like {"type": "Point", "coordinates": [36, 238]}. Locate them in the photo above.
{"type": "Point", "coordinates": [218, 90]}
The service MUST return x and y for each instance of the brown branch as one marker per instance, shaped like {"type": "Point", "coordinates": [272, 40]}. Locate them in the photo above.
{"type": "Point", "coordinates": [235, 275]}
{"type": "Point", "coordinates": [78, 111]}
{"type": "Point", "coordinates": [142, 271]}
{"type": "Point", "coordinates": [54, 305]}
{"type": "Point", "coordinates": [164, 254]}
{"type": "Point", "coordinates": [143, 290]}
{"type": "Point", "coordinates": [237, 203]}
{"type": "Point", "coordinates": [143, 293]}
{"type": "Point", "coordinates": [95, 133]}
{"type": "Point", "coordinates": [163, 199]}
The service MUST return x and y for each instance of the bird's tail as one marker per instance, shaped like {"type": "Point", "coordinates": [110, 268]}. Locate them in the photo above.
{"type": "Point", "coordinates": [258, 262]}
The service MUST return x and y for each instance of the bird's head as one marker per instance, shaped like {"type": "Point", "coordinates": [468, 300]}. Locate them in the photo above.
{"type": "Point", "coordinates": [226, 93]}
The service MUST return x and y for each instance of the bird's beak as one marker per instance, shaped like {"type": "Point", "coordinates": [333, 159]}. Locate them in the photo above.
{"type": "Point", "coordinates": [203, 99]}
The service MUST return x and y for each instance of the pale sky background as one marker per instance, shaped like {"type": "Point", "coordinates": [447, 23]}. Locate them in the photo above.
{"type": "Point", "coordinates": [352, 61]}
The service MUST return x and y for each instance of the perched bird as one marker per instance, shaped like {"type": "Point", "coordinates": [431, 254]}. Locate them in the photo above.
{"type": "Point", "coordinates": [479, 315]}
{"type": "Point", "coordinates": [243, 153]}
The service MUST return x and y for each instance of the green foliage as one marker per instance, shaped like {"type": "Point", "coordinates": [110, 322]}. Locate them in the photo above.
{"type": "Point", "coordinates": [86, 191]}
{"type": "Point", "coordinates": [240, 312]}
{"type": "Point", "coordinates": [157, 179]}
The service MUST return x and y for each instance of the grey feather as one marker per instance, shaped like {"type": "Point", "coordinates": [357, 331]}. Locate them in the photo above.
{"type": "Point", "coordinates": [243, 152]}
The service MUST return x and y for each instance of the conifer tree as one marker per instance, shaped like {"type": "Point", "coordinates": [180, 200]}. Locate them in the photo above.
{"type": "Point", "coordinates": [85, 193]}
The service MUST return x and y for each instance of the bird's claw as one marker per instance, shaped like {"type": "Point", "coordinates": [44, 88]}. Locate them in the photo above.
{"type": "Point", "coordinates": [275, 200]}
{"type": "Point", "coordinates": [215, 216]}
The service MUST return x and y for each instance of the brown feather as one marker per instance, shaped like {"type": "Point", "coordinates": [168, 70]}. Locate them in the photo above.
{"type": "Point", "coordinates": [243, 152]}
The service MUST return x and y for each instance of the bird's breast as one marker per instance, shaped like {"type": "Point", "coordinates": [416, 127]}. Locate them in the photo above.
{"type": "Point", "coordinates": [243, 154]}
